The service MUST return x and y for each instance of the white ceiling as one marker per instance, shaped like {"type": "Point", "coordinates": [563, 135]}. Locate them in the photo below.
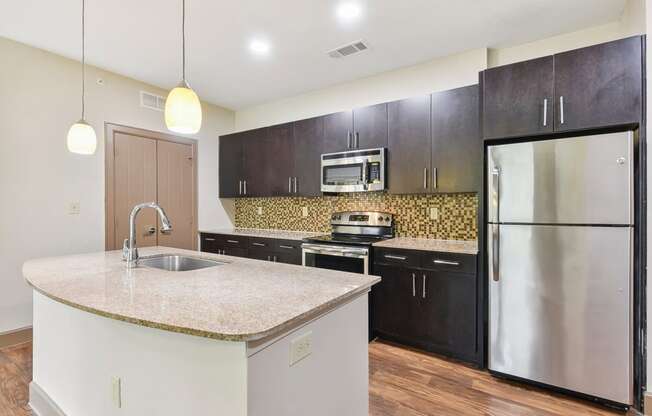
{"type": "Point", "coordinates": [141, 38]}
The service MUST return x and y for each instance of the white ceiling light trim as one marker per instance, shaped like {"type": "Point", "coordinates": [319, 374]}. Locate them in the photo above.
{"type": "Point", "coordinates": [349, 11]}
{"type": "Point", "coordinates": [259, 47]}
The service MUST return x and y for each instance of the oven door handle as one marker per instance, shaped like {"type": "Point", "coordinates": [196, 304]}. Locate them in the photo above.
{"type": "Point", "coordinates": [335, 251]}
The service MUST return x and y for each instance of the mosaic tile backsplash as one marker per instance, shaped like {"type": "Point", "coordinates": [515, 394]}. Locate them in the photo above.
{"type": "Point", "coordinates": [457, 213]}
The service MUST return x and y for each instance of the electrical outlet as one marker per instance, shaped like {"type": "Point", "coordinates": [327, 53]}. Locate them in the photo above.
{"type": "Point", "coordinates": [434, 213]}
{"type": "Point", "coordinates": [300, 348]}
{"type": "Point", "coordinates": [259, 210]}
{"type": "Point", "coordinates": [116, 392]}
{"type": "Point", "coordinates": [74, 208]}
{"type": "Point", "coordinates": [304, 211]}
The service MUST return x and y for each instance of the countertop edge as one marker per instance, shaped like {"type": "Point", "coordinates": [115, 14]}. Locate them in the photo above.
{"type": "Point", "coordinates": [418, 246]}
{"type": "Point", "coordinates": [274, 331]}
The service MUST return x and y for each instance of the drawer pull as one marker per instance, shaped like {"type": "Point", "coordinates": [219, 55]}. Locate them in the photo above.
{"type": "Point", "coordinates": [259, 244]}
{"type": "Point", "coordinates": [393, 257]}
{"type": "Point", "coordinates": [287, 247]}
{"type": "Point", "coordinates": [232, 241]}
{"type": "Point", "coordinates": [446, 262]}
{"type": "Point", "coordinates": [209, 239]}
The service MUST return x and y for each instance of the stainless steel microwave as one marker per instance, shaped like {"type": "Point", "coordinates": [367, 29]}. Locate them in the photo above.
{"type": "Point", "coordinates": [354, 171]}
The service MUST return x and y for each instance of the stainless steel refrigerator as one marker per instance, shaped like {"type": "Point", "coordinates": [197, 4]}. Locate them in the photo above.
{"type": "Point", "coordinates": [560, 244]}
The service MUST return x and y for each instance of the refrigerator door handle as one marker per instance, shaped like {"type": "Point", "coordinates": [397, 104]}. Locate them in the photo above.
{"type": "Point", "coordinates": [495, 194]}
{"type": "Point", "coordinates": [494, 253]}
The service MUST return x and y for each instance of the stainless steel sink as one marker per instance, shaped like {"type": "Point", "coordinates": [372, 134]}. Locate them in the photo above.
{"type": "Point", "coordinates": [176, 263]}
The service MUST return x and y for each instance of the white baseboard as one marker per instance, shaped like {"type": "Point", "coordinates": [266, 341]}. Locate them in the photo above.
{"type": "Point", "coordinates": [41, 403]}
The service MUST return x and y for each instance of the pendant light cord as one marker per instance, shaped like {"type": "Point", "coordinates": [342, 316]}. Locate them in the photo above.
{"type": "Point", "coordinates": [83, 57]}
{"type": "Point", "coordinates": [183, 41]}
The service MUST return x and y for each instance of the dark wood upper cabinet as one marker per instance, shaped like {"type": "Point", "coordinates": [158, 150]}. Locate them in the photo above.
{"type": "Point", "coordinates": [308, 147]}
{"type": "Point", "coordinates": [600, 85]}
{"type": "Point", "coordinates": [231, 164]}
{"type": "Point", "coordinates": [518, 99]}
{"type": "Point", "coordinates": [279, 152]}
{"type": "Point", "coordinates": [370, 127]}
{"type": "Point", "coordinates": [338, 131]}
{"type": "Point", "coordinates": [256, 161]}
{"type": "Point", "coordinates": [408, 145]}
{"type": "Point", "coordinates": [456, 143]}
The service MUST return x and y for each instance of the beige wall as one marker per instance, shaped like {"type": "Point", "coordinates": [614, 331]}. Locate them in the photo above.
{"type": "Point", "coordinates": [439, 74]}
{"type": "Point", "coordinates": [38, 177]}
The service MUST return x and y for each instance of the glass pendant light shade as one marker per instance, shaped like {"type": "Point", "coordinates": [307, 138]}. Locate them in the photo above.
{"type": "Point", "coordinates": [81, 138]}
{"type": "Point", "coordinates": [183, 110]}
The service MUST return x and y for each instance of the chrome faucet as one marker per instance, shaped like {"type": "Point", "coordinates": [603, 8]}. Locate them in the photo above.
{"type": "Point", "coordinates": [129, 250]}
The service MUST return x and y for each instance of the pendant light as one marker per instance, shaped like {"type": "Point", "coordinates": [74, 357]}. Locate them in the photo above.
{"type": "Point", "coordinates": [81, 136]}
{"type": "Point", "coordinates": [182, 107]}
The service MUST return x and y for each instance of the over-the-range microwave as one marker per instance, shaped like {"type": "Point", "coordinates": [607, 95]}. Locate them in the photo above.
{"type": "Point", "coordinates": [354, 171]}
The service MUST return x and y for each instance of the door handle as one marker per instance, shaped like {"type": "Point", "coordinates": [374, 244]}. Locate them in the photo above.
{"type": "Point", "coordinates": [423, 289]}
{"type": "Point", "coordinates": [414, 285]}
{"type": "Point", "coordinates": [494, 255]}
{"type": "Point", "coordinates": [357, 140]}
{"type": "Point", "coordinates": [561, 109]}
{"type": "Point", "coordinates": [495, 192]}
{"type": "Point", "coordinates": [348, 139]}
{"type": "Point", "coordinates": [545, 112]}
{"type": "Point", "coordinates": [434, 178]}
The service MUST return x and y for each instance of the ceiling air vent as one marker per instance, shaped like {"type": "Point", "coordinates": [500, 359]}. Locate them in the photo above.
{"type": "Point", "coordinates": [350, 49]}
{"type": "Point", "coordinates": [152, 101]}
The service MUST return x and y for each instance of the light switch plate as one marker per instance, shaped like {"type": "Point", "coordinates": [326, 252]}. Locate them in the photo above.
{"type": "Point", "coordinates": [300, 348]}
{"type": "Point", "coordinates": [74, 208]}
{"type": "Point", "coordinates": [304, 211]}
{"type": "Point", "coordinates": [434, 213]}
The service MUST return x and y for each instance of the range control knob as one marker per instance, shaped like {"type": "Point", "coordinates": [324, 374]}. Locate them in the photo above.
{"type": "Point", "coordinates": [339, 217]}
{"type": "Point", "coordinates": [386, 218]}
{"type": "Point", "coordinates": [381, 219]}
{"type": "Point", "coordinates": [334, 217]}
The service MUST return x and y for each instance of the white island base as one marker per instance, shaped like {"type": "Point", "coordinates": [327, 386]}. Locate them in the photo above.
{"type": "Point", "coordinates": [86, 364]}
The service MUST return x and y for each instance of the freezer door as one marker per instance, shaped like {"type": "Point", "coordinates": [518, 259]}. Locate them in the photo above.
{"type": "Point", "coordinates": [560, 308]}
{"type": "Point", "coordinates": [579, 180]}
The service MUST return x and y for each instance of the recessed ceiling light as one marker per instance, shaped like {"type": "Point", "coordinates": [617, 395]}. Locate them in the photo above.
{"type": "Point", "coordinates": [259, 47]}
{"type": "Point", "coordinates": [349, 11]}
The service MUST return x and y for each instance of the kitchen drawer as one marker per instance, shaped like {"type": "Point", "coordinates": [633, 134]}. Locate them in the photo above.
{"type": "Point", "coordinates": [258, 243]}
{"type": "Point", "coordinates": [449, 262]}
{"type": "Point", "coordinates": [235, 251]}
{"type": "Point", "coordinates": [210, 243]}
{"type": "Point", "coordinates": [407, 258]}
{"type": "Point", "coordinates": [235, 241]}
{"type": "Point", "coordinates": [287, 247]}
{"type": "Point", "coordinates": [261, 254]}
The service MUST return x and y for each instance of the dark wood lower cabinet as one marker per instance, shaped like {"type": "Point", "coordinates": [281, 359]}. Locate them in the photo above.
{"type": "Point", "coordinates": [268, 249]}
{"type": "Point", "coordinates": [434, 310]}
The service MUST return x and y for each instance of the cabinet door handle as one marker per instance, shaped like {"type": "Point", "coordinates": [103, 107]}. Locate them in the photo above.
{"type": "Point", "coordinates": [295, 184]}
{"type": "Point", "coordinates": [446, 262]}
{"type": "Point", "coordinates": [393, 257]}
{"type": "Point", "coordinates": [561, 109]}
{"type": "Point", "coordinates": [287, 247]}
{"type": "Point", "coordinates": [232, 241]}
{"type": "Point", "coordinates": [425, 178]}
{"type": "Point", "coordinates": [357, 140]}
{"type": "Point", "coordinates": [348, 139]}
{"type": "Point", "coordinates": [240, 190]}
{"type": "Point", "coordinates": [423, 290]}
{"type": "Point", "coordinates": [269, 258]}
{"type": "Point", "coordinates": [434, 178]}
{"type": "Point", "coordinates": [274, 259]}
{"type": "Point", "coordinates": [414, 285]}
{"type": "Point", "coordinates": [209, 239]}
{"type": "Point", "coordinates": [259, 244]}
{"type": "Point", "coordinates": [245, 187]}
{"type": "Point", "coordinates": [545, 112]}
{"type": "Point", "coordinates": [289, 184]}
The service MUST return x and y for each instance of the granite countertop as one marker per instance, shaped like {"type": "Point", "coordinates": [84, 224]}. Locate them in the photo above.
{"type": "Point", "coordinates": [264, 233]}
{"type": "Point", "coordinates": [240, 300]}
{"type": "Point", "coordinates": [427, 244]}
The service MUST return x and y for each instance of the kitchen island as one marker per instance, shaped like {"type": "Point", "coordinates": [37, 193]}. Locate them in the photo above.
{"type": "Point", "coordinates": [245, 337]}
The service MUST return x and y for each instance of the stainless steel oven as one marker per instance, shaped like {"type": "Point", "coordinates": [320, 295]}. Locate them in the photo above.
{"type": "Point", "coordinates": [353, 171]}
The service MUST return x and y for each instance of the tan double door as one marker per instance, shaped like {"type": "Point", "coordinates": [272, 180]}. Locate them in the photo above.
{"type": "Point", "coordinates": [147, 169]}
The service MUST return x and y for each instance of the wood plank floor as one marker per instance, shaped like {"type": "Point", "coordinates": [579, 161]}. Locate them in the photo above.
{"type": "Point", "coordinates": [403, 382]}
